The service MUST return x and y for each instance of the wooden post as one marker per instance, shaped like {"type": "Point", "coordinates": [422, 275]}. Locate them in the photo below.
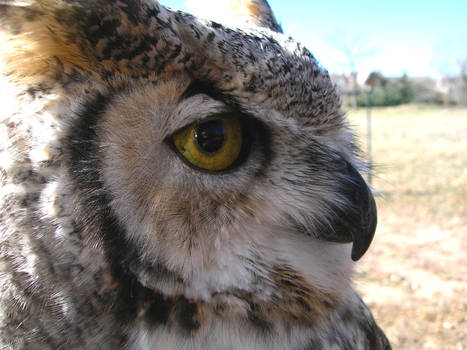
{"type": "Point", "coordinates": [368, 135]}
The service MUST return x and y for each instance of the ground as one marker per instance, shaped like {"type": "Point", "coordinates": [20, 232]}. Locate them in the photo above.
{"type": "Point", "coordinates": [414, 277]}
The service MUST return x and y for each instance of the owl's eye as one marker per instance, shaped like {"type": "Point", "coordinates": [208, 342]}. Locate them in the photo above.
{"type": "Point", "coordinates": [214, 145]}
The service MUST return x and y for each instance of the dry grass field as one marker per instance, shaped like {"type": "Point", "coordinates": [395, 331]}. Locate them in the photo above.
{"type": "Point", "coordinates": [414, 276]}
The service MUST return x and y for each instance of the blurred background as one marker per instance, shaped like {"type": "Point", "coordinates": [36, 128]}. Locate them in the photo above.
{"type": "Point", "coordinates": [401, 67]}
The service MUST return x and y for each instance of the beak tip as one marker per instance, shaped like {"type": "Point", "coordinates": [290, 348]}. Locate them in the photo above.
{"type": "Point", "coordinates": [357, 253]}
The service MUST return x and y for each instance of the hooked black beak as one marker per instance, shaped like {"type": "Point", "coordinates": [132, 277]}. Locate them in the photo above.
{"type": "Point", "coordinates": [356, 221]}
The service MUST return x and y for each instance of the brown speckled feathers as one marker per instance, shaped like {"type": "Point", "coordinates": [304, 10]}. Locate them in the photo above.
{"type": "Point", "coordinates": [170, 182]}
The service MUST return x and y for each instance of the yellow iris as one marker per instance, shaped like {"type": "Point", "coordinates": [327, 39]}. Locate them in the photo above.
{"type": "Point", "coordinates": [213, 145]}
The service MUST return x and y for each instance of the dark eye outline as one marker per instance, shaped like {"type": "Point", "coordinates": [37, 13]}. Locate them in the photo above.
{"type": "Point", "coordinates": [247, 125]}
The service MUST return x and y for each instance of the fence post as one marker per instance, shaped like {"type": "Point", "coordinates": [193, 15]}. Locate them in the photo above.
{"type": "Point", "coordinates": [368, 135]}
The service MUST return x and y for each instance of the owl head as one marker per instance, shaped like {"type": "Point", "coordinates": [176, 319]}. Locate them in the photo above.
{"type": "Point", "coordinates": [207, 159]}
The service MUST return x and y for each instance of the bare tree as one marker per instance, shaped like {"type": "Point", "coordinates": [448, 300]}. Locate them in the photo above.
{"type": "Point", "coordinates": [462, 64]}
{"type": "Point", "coordinates": [357, 50]}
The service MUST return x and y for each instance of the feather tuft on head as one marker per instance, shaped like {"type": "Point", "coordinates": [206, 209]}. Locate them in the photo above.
{"type": "Point", "coordinates": [237, 12]}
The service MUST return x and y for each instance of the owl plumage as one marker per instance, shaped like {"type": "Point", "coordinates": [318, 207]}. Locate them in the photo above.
{"type": "Point", "coordinates": [115, 235]}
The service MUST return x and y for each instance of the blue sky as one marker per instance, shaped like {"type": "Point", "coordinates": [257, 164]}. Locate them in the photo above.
{"type": "Point", "coordinates": [421, 38]}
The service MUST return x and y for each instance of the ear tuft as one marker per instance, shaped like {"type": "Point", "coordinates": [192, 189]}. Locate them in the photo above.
{"type": "Point", "coordinates": [237, 12]}
{"type": "Point", "coordinates": [257, 12]}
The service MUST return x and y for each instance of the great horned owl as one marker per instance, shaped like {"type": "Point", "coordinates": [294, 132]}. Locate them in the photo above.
{"type": "Point", "coordinates": [169, 182]}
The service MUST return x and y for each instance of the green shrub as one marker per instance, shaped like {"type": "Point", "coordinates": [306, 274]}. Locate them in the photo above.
{"type": "Point", "coordinates": [392, 93]}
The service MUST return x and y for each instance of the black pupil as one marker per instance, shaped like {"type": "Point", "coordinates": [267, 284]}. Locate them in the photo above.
{"type": "Point", "coordinates": [210, 136]}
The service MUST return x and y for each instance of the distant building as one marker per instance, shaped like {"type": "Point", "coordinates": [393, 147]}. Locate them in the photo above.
{"type": "Point", "coordinates": [444, 90]}
{"type": "Point", "coordinates": [454, 89]}
{"type": "Point", "coordinates": [347, 86]}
